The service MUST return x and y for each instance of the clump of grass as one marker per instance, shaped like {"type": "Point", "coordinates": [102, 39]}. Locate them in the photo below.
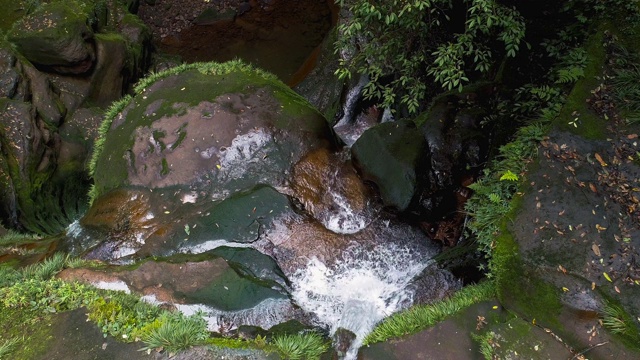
{"type": "Point", "coordinates": [9, 276]}
{"type": "Point", "coordinates": [485, 342]}
{"type": "Point", "coordinates": [619, 322]}
{"type": "Point", "coordinates": [13, 238]}
{"type": "Point", "coordinates": [174, 332]}
{"type": "Point", "coordinates": [422, 316]}
{"type": "Point", "coordinates": [307, 346]}
{"type": "Point", "coordinates": [74, 263]}
{"type": "Point", "coordinates": [8, 347]}
{"type": "Point", "coordinates": [110, 114]}
{"type": "Point", "coordinates": [46, 269]}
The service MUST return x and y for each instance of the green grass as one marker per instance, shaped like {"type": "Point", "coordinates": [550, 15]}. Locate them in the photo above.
{"type": "Point", "coordinates": [46, 269]}
{"type": "Point", "coordinates": [621, 324]}
{"type": "Point", "coordinates": [174, 332]}
{"type": "Point", "coordinates": [14, 238]}
{"type": "Point", "coordinates": [420, 317]}
{"type": "Point", "coordinates": [8, 346]}
{"type": "Point", "coordinates": [308, 346]}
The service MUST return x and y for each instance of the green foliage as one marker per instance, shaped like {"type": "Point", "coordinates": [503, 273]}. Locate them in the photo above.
{"type": "Point", "coordinates": [492, 196]}
{"type": "Point", "coordinates": [109, 116]}
{"type": "Point", "coordinates": [46, 269]}
{"type": "Point", "coordinates": [402, 46]}
{"type": "Point", "coordinates": [625, 82]}
{"type": "Point", "coordinates": [48, 296]}
{"type": "Point", "coordinates": [484, 342]}
{"type": "Point", "coordinates": [123, 316]}
{"type": "Point", "coordinates": [174, 332]}
{"type": "Point", "coordinates": [619, 322]}
{"type": "Point", "coordinates": [8, 346]}
{"type": "Point", "coordinates": [307, 346]}
{"type": "Point", "coordinates": [13, 238]}
{"type": "Point", "coordinates": [420, 317]}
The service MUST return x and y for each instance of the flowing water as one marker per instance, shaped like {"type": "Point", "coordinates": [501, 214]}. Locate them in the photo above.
{"type": "Point", "coordinates": [364, 286]}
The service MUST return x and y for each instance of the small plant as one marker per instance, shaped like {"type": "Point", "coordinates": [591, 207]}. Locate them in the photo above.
{"type": "Point", "coordinates": [123, 316]}
{"type": "Point", "coordinates": [74, 263]}
{"type": "Point", "coordinates": [8, 346]}
{"type": "Point", "coordinates": [485, 341]}
{"type": "Point", "coordinates": [175, 332]}
{"type": "Point", "coordinates": [619, 322]}
{"type": "Point", "coordinates": [46, 269]}
{"type": "Point", "coordinates": [308, 346]}
{"type": "Point", "coordinates": [48, 296]}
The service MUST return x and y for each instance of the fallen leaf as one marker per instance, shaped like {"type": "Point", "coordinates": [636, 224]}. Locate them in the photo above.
{"type": "Point", "coordinates": [617, 290]}
{"type": "Point", "coordinates": [606, 276]}
{"type": "Point", "coordinates": [593, 188]}
{"type": "Point", "coordinates": [599, 158]}
{"type": "Point", "coordinates": [632, 136]}
{"type": "Point", "coordinates": [600, 228]}
{"type": "Point", "coordinates": [565, 289]}
{"type": "Point", "coordinates": [596, 250]}
{"type": "Point", "coordinates": [561, 268]}
{"type": "Point", "coordinates": [593, 286]}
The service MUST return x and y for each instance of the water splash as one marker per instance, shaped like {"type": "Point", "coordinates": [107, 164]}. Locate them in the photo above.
{"type": "Point", "coordinates": [359, 290]}
{"type": "Point", "coordinates": [343, 219]}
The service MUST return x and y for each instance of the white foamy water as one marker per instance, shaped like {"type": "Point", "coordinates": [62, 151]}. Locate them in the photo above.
{"type": "Point", "coordinates": [113, 285]}
{"type": "Point", "coordinates": [343, 220]}
{"type": "Point", "coordinates": [266, 314]}
{"type": "Point", "coordinates": [210, 245]}
{"type": "Point", "coordinates": [364, 287]}
{"type": "Point", "coordinates": [74, 229]}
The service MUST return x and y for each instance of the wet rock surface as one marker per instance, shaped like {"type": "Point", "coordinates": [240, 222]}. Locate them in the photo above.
{"type": "Point", "coordinates": [59, 57]}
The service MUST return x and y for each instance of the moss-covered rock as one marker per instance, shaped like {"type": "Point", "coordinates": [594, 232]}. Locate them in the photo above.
{"type": "Point", "coordinates": [216, 128]}
{"type": "Point", "coordinates": [195, 158]}
{"type": "Point", "coordinates": [55, 35]}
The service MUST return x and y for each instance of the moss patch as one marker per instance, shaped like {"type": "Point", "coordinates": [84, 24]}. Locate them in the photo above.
{"type": "Point", "coordinates": [576, 109]}
{"type": "Point", "coordinates": [34, 332]}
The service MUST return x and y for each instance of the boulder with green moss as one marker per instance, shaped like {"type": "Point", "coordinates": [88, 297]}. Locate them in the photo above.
{"type": "Point", "coordinates": [55, 35]}
{"type": "Point", "coordinates": [196, 156]}
{"type": "Point", "coordinates": [62, 60]}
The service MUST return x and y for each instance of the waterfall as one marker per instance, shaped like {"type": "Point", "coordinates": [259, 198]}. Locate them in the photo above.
{"type": "Point", "coordinates": [364, 286]}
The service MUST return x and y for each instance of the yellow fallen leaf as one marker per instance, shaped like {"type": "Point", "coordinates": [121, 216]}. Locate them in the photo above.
{"type": "Point", "coordinates": [606, 276]}
{"type": "Point", "coordinates": [593, 286]}
{"type": "Point", "coordinates": [600, 228]}
{"type": "Point", "coordinates": [495, 307]}
{"type": "Point", "coordinates": [218, 166]}
{"type": "Point", "coordinates": [599, 158]}
{"type": "Point", "coordinates": [565, 289]}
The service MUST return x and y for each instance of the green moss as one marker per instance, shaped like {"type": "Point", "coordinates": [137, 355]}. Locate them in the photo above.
{"type": "Point", "coordinates": [520, 289]}
{"type": "Point", "coordinates": [33, 332]}
{"type": "Point", "coordinates": [12, 11]}
{"type": "Point", "coordinates": [420, 317]}
{"type": "Point", "coordinates": [588, 124]}
{"type": "Point", "coordinates": [229, 77]}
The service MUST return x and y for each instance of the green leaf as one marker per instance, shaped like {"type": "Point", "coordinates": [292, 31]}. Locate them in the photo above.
{"type": "Point", "coordinates": [509, 176]}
